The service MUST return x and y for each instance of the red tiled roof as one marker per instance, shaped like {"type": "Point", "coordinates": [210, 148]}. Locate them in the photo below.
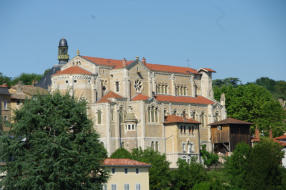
{"type": "Point", "coordinates": [4, 85]}
{"type": "Point", "coordinates": [184, 99]}
{"type": "Point", "coordinates": [116, 64]}
{"type": "Point", "coordinates": [172, 69]}
{"type": "Point", "coordinates": [281, 137]}
{"type": "Point", "coordinates": [110, 94]}
{"type": "Point", "coordinates": [140, 97]}
{"type": "Point", "coordinates": [230, 121]}
{"type": "Point", "coordinates": [280, 142]}
{"type": "Point", "coordinates": [124, 162]}
{"type": "Point", "coordinates": [73, 70]}
{"type": "Point", "coordinates": [178, 119]}
{"type": "Point", "coordinates": [208, 69]}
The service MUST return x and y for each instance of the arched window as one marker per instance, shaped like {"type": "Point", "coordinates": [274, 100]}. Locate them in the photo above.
{"type": "Point", "coordinates": [202, 119]}
{"type": "Point", "coordinates": [156, 146]}
{"type": "Point", "coordinates": [152, 145]}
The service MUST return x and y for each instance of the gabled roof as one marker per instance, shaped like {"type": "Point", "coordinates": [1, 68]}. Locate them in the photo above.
{"type": "Point", "coordinates": [140, 97]}
{"type": "Point", "coordinates": [183, 99]}
{"type": "Point", "coordinates": [171, 69]}
{"type": "Point", "coordinates": [117, 64]}
{"type": "Point", "coordinates": [110, 94]}
{"type": "Point", "coordinates": [207, 70]}
{"type": "Point", "coordinates": [114, 63]}
{"type": "Point", "coordinates": [124, 162]}
{"type": "Point", "coordinates": [178, 119]}
{"type": "Point", "coordinates": [73, 70]}
{"type": "Point", "coordinates": [230, 121]}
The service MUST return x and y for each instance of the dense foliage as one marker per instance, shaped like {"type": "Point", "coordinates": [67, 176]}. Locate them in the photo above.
{"type": "Point", "coordinates": [187, 175]}
{"type": "Point", "coordinates": [277, 88]}
{"type": "Point", "coordinates": [209, 158]}
{"type": "Point", "coordinates": [25, 78]}
{"type": "Point", "coordinates": [52, 145]}
{"type": "Point", "coordinates": [256, 168]}
{"type": "Point", "coordinates": [255, 104]}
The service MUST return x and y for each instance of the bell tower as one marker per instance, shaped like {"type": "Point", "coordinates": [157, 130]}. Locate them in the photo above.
{"type": "Point", "coordinates": [63, 56]}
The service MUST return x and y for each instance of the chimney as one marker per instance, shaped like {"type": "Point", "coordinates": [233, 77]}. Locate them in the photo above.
{"type": "Point", "coordinates": [124, 62]}
{"type": "Point", "coordinates": [144, 60]}
{"type": "Point", "coordinates": [270, 133]}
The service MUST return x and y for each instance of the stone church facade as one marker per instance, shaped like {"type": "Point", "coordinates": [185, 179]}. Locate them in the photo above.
{"type": "Point", "coordinates": [138, 104]}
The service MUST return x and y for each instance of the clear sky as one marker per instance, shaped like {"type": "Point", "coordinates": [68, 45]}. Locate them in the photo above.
{"type": "Point", "coordinates": [237, 38]}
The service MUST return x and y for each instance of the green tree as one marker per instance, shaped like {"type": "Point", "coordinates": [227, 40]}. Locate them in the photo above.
{"type": "Point", "coordinates": [159, 172]}
{"type": "Point", "coordinates": [264, 166]}
{"type": "Point", "coordinates": [5, 80]}
{"type": "Point", "coordinates": [208, 157]}
{"type": "Point", "coordinates": [236, 166]}
{"type": "Point", "coordinates": [187, 175]}
{"type": "Point", "coordinates": [27, 78]}
{"type": "Point", "coordinates": [121, 153]}
{"type": "Point", "coordinates": [255, 104]}
{"type": "Point", "coordinates": [256, 168]}
{"type": "Point", "coordinates": [52, 145]}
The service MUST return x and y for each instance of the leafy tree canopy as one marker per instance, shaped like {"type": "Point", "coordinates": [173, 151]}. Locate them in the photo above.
{"type": "Point", "coordinates": [121, 153]}
{"type": "Point", "coordinates": [187, 175]}
{"type": "Point", "coordinates": [277, 88]}
{"type": "Point", "coordinates": [52, 145]}
{"type": "Point", "coordinates": [208, 157]}
{"type": "Point", "coordinates": [5, 80]}
{"type": "Point", "coordinates": [255, 104]}
{"type": "Point", "coordinates": [256, 168]}
{"type": "Point", "coordinates": [27, 79]}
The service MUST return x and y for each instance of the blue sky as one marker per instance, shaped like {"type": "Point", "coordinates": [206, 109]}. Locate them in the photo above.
{"type": "Point", "coordinates": [237, 38]}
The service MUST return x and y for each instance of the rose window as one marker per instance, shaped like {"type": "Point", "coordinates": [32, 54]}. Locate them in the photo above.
{"type": "Point", "coordinates": [138, 85]}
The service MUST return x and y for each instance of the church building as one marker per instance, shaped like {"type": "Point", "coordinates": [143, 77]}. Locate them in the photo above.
{"type": "Point", "coordinates": [134, 103]}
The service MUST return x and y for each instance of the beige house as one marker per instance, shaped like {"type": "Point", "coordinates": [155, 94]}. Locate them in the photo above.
{"type": "Point", "coordinates": [130, 102]}
{"type": "Point", "coordinates": [126, 174]}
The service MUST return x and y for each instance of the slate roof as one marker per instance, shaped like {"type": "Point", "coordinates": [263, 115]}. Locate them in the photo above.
{"type": "Point", "coordinates": [4, 90]}
{"type": "Point", "coordinates": [178, 119]}
{"type": "Point", "coordinates": [124, 162]}
{"type": "Point", "coordinates": [230, 121]}
{"type": "Point", "coordinates": [73, 70]}
{"type": "Point", "coordinates": [110, 94]}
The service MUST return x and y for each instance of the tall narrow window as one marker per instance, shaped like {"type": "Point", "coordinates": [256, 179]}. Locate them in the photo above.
{"type": "Point", "coordinates": [152, 115]}
{"type": "Point", "coordinates": [149, 114]}
{"type": "Point", "coordinates": [156, 146]}
{"type": "Point", "coordinates": [113, 187]}
{"type": "Point", "coordinates": [152, 145]}
{"type": "Point", "coordinates": [185, 91]}
{"type": "Point", "coordinates": [126, 170]}
{"type": "Point", "coordinates": [202, 119]}
{"type": "Point", "coordinates": [126, 186]}
{"type": "Point", "coordinates": [138, 187]}
{"type": "Point", "coordinates": [156, 115]}
{"type": "Point", "coordinates": [190, 147]}
{"type": "Point", "coordinates": [98, 117]}
{"type": "Point", "coordinates": [184, 147]}
{"type": "Point", "coordinates": [5, 105]}
{"type": "Point", "coordinates": [117, 86]}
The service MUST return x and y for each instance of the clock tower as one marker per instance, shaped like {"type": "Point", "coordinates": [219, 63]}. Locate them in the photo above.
{"type": "Point", "coordinates": [63, 56]}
